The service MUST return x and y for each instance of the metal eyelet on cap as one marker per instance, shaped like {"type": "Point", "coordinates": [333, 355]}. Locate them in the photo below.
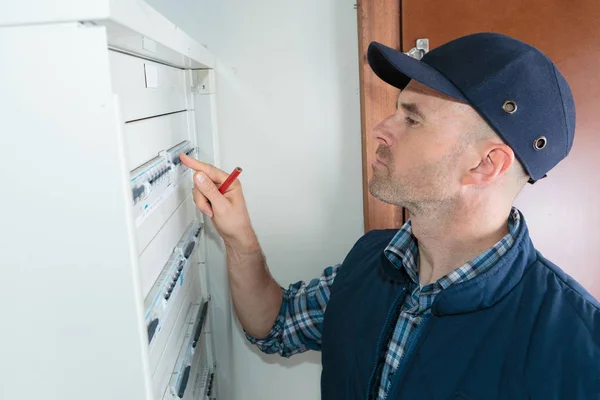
{"type": "Point", "coordinates": [509, 106]}
{"type": "Point", "coordinates": [540, 143]}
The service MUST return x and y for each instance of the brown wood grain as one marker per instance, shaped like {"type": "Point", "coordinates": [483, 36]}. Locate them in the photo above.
{"type": "Point", "coordinates": [378, 20]}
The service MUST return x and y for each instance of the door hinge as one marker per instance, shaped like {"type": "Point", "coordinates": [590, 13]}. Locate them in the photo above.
{"type": "Point", "coordinates": [420, 50]}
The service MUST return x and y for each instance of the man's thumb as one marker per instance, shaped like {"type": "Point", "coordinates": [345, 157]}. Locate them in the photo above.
{"type": "Point", "coordinates": [208, 188]}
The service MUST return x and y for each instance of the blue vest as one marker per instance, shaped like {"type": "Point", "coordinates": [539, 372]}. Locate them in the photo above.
{"type": "Point", "coordinates": [522, 330]}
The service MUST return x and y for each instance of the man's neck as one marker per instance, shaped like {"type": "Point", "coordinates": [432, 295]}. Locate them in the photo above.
{"type": "Point", "coordinates": [450, 238]}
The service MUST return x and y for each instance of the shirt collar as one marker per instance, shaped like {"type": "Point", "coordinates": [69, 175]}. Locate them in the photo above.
{"type": "Point", "coordinates": [403, 252]}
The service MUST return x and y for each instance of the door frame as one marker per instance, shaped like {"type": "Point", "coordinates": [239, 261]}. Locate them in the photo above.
{"type": "Point", "coordinates": [379, 21]}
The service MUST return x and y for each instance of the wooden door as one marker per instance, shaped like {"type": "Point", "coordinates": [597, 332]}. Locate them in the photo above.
{"type": "Point", "coordinates": [563, 210]}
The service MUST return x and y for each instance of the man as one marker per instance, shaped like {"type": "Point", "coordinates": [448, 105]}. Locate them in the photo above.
{"type": "Point", "coordinates": [457, 304]}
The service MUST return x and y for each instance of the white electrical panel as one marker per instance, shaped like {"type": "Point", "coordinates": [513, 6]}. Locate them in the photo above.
{"type": "Point", "coordinates": [177, 350]}
{"type": "Point", "coordinates": [188, 360]}
{"type": "Point", "coordinates": [122, 95]}
{"type": "Point", "coordinates": [166, 296]}
{"type": "Point", "coordinates": [166, 288]}
{"type": "Point", "coordinates": [154, 181]}
{"type": "Point", "coordinates": [173, 315]}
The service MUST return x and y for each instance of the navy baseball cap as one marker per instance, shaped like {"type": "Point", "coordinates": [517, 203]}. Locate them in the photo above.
{"type": "Point", "coordinates": [515, 87]}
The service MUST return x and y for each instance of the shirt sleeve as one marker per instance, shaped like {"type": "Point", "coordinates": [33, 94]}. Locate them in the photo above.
{"type": "Point", "coordinates": [299, 324]}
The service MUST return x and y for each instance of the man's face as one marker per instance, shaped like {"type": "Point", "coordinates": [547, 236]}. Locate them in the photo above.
{"type": "Point", "coordinates": [419, 158]}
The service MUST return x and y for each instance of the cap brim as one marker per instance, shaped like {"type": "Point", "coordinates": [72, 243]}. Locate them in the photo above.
{"type": "Point", "coordinates": [397, 69]}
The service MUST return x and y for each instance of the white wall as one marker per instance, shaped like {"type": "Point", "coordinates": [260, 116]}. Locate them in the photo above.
{"type": "Point", "coordinates": [289, 115]}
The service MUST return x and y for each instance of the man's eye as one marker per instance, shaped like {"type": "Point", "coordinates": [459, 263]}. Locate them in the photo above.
{"type": "Point", "coordinates": [410, 122]}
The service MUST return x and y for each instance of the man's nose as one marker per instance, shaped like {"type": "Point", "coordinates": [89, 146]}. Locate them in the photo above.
{"type": "Point", "coordinates": [384, 132]}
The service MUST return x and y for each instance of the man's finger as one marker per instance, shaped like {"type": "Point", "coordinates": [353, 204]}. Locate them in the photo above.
{"type": "Point", "coordinates": [202, 203]}
{"type": "Point", "coordinates": [208, 188]}
{"type": "Point", "coordinates": [214, 173]}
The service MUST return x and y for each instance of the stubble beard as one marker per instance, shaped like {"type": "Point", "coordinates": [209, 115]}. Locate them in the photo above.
{"type": "Point", "coordinates": [383, 187]}
{"type": "Point", "coordinates": [407, 190]}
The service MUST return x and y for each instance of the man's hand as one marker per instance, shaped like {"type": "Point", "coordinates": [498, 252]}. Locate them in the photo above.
{"type": "Point", "coordinates": [228, 211]}
{"type": "Point", "coordinates": [256, 296]}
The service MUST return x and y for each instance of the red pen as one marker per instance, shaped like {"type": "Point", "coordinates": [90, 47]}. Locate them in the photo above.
{"type": "Point", "coordinates": [232, 177]}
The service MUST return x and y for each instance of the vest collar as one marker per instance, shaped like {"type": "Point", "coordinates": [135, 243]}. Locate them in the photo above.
{"type": "Point", "coordinates": [484, 290]}
{"type": "Point", "coordinates": [490, 287]}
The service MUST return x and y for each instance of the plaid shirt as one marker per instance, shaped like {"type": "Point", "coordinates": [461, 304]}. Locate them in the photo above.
{"type": "Point", "coordinates": [299, 324]}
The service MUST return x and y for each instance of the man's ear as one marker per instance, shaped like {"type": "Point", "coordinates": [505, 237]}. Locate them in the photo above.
{"type": "Point", "coordinates": [495, 159]}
